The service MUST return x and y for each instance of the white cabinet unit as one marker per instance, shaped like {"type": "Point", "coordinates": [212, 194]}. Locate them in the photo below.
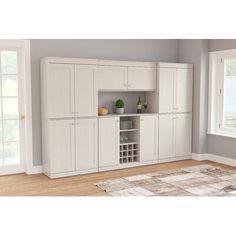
{"type": "Point", "coordinates": [69, 97]}
{"type": "Point", "coordinates": [72, 147]}
{"type": "Point", "coordinates": [166, 136]}
{"type": "Point", "coordinates": [166, 89]}
{"type": "Point", "coordinates": [112, 78]}
{"type": "Point", "coordinates": [86, 150]}
{"type": "Point", "coordinates": [76, 141]}
{"type": "Point", "coordinates": [126, 76]}
{"type": "Point", "coordinates": [59, 88]}
{"type": "Point", "coordinates": [68, 90]}
{"type": "Point", "coordinates": [183, 90]}
{"type": "Point", "coordinates": [174, 93]}
{"type": "Point", "coordinates": [61, 145]}
{"type": "Point", "coordinates": [141, 78]}
{"type": "Point", "coordinates": [109, 142]}
{"type": "Point", "coordinates": [148, 138]}
{"type": "Point", "coordinates": [175, 135]}
{"type": "Point", "coordinates": [85, 90]}
{"type": "Point", "coordinates": [183, 134]}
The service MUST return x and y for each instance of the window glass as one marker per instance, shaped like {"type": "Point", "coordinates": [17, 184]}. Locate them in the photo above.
{"type": "Point", "coordinates": [230, 94]}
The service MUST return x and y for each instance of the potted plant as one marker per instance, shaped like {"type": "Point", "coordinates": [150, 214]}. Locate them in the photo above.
{"type": "Point", "coordinates": [120, 106]}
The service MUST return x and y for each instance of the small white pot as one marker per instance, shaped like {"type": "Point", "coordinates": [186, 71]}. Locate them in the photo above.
{"type": "Point", "coordinates": [120, 110]}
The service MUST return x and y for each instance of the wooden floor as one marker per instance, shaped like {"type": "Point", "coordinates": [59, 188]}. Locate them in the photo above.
{"type": "Point", "coordinates": [83, 185]}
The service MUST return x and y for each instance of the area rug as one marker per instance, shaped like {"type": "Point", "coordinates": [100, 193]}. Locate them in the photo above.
{"type": "Point", "coordinates": [200, 180]}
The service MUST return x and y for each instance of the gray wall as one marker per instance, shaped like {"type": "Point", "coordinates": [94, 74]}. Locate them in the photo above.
{"type": "Point", "coordinates": [221, 44]}
{"type": "Point", "coordinates": [140, 50]}
{"type": "Point", "coordinates": [195, 51]}
{"type": "Point", "coordinates": [218, 145]}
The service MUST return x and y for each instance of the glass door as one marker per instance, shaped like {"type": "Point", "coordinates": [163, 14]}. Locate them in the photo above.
{"type": "Point", "coordinates": [11, 117]}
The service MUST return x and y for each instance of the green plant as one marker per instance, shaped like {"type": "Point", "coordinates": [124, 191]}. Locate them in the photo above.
{"type": "Point", "coordinates": [120, 103]}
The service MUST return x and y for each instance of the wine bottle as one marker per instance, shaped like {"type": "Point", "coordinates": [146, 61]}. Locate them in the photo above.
{"type": "Point", "coordinates": [139, 105]}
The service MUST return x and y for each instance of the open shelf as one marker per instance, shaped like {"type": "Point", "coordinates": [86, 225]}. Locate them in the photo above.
{"type": "Point", "coordinates": [128, 130]}
{"type": "Point", "coordinates": [129, 141]}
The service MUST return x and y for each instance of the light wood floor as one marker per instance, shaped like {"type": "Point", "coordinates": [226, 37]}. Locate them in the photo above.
{"type": "Point", "coordinates": [83, 185]}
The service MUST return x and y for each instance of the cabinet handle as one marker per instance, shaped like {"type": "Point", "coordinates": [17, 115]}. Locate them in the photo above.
{"type": "Point", "coordinates": [76, 112]}
{"type": "Point", "coordinates": [72, 112]}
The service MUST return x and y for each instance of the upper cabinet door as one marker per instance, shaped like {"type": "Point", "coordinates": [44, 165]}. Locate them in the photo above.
{"type": "Point", "coordinates": [166, 77]}
{"type": "Point", "coordinates": [61, 146]}
{"type": "Point", "coordinates": [148, 138]}
{"type": "Point", "coordinates": [109, 141]}
{"type": "Point", "coordinates": [60, 91]}
{"type": "Point", "coordinates": [112, 78]}
{"type": "Point", "coordinates": [86, 147]}
{"type": "Point", "coordinates": [141, 78]}
{"type": "Point", "coordinates": [85, 90]}
{"type": "Point", "coordinates": [166, 136]}
{"type": "Point", "coordinates": [183, 134]}
{"type": "Point", "coordinates": [183, 91]}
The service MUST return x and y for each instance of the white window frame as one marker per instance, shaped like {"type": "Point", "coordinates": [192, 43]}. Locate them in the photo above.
{"type": "Point", "coordinates": [24, 47]}
{"type": "Point", "coordinates": [216, 93]}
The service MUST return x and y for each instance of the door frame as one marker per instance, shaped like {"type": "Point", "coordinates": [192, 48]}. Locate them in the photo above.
{"type": "Point", "coordinates": [24, 48]}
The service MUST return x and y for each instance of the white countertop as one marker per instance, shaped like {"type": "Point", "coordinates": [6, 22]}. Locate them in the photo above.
{"type": "Point", "coordinates": [127, 114]}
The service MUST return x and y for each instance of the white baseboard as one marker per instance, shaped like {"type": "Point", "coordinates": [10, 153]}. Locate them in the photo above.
{"type": "Point", "coordinates": [214, 158]}
{"type": "Point", "coordinates": [35, 170]}
{"type": "Point", "coordinates": [195, 156]}
{"type": "Point", "coordinates": [199, 157]}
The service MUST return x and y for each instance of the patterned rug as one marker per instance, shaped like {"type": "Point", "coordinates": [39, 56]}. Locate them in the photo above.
{"type": "Point", "coordinates": [201, 180]}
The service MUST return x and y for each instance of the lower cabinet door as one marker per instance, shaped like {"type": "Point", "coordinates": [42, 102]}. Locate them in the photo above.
{"type": "Point", "coordinates": [148, 138]}
{"type": "Point", "coordinates": [86, 139]}
{"type": "Point", "coordinates": [166, 136]}
{"type": "Point", "coordinates": [183, 134]}
{"type": "Point", "coordinates": [61, 146]}
{"type": "Point", "coordinates": [109, 142]}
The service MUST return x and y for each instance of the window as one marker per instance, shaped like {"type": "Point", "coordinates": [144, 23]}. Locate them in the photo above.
{"type": "Point", "coordinates": [222, 93]}
{"type": "Point", "coordinates": [15, 107]}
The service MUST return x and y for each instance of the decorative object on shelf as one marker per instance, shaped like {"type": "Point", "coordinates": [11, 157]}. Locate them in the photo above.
{"type": "Point", "coordinates": [126, 124]}
{"type": "Point", "coordinates": [145, 106]}
{"type": "Point", "coordinates": [120, 106]}
{"type": "Point", "coordinates": [126, 139]}
{"type": "Point", "coordinates": [139, 105]}
{"type": "Point", "coordinates": [102, 111]}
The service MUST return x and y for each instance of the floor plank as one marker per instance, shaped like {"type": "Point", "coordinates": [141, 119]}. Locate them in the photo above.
{"type": "Point", "coordinates": [83, 185]}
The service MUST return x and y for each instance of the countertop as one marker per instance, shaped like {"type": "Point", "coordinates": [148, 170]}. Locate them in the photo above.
{"type": "Point", "coordinates": [127, 114]}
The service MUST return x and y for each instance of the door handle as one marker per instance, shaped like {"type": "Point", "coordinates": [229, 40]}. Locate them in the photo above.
{"type": "Point", "coordinates": [22, 117]}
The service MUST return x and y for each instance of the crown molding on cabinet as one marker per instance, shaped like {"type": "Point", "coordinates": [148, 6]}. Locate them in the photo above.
{"type": "Point", "coordinates": [126, 63]}
{"type": "Point", "coordinates": [68, 60]}
{"type": "Point", "coordinates": [175, 65]}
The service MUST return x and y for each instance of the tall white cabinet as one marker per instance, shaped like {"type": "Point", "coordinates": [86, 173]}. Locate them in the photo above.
{"type": "Point", "coordinates": [173, 102]}
{"type": "Point", "coordinates": [69, 123]}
